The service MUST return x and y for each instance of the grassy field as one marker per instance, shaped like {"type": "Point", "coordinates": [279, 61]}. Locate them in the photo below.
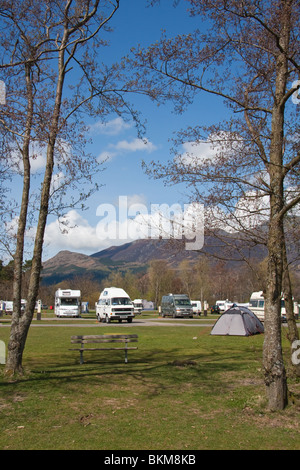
{"type": "Point", "coordinates": [181, 390]}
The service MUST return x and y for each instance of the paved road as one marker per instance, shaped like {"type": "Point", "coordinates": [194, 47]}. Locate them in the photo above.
{"type": "Point", "coordinates": [49, 322]}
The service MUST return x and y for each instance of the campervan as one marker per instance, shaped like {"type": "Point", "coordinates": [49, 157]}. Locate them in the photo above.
{"type": "Point", "coordinates": [176, 305]}
{"type": "Point", "coordinates": [221, 305]}
{"type": "Point", "coordinates": [257, 305]}
{"type": "Point", "coordinates": [114, 304]}
{"type": "Point", "coordinates": [67, 303]}
{"type": "Point", "coordinates": [196, 304]}
{"type": "Point", "coordinates": [138, 306]}
{"type": "Point", "coordinates": [9, 306]}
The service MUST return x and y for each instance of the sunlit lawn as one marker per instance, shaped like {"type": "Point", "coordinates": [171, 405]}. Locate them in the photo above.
{"type": "Point", "coordinates": [182, 389]}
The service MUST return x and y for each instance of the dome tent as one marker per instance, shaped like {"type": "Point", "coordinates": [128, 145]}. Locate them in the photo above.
{"type": "Point", "coordinates": [237, 321]}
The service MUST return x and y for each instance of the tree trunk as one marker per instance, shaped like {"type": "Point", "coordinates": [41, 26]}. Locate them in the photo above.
{"type": "Point", "coordinates": [293, 333]}
{"type": "Point", "coordinates": [274, 369]}
{"type": "Point", "coordinates": [18, 333]}
{"type": "Point", "coordinates": [275, 374]}
{"type": "Point", "coordinates": [21, 322]}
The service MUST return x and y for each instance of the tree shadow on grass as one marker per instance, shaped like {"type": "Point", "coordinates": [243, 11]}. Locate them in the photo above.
{"type": "Point", "coordinates": [161, 367]}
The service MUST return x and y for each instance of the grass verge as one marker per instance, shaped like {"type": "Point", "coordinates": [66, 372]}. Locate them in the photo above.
{"type": "Point", "coordinates": [182, 389]}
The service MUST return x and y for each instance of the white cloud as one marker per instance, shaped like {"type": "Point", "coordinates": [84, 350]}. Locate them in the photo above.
{"type": "Point", "coordinates": [106, 156]}
{"type": "Point", "coordinates": [37, 162]}
{"type": "Point", "coordinates": [206, 151]}
{"type": "Point", "coordinates": [130, 219]}
{"type": "Point", "coordinates": [37, 158]}
{"type": "Point", "coordinates": [57, 181]}
{"type": "Point", "coordinates": [76, 235]}
{"type": "Point", "coordinates": [125, 146]}
{"type": "Point", "coordinates": [135, 145]}
{"type": "Point", "coordinates": [112, 127]}
{"type": "Point", "coordinates": [197, 152]}
{"type": "Point", "coordinates": [251, 211]}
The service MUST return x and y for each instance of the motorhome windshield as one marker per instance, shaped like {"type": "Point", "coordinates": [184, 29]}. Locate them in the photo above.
{"type": "Point", "coordinates": [66, 301]}
{"type": "Point", "coordinates": [257, 303]}
{"type": "Point", "coordinates": [121, 301]}
{"type": "Point", "coordinates": [182, 302]}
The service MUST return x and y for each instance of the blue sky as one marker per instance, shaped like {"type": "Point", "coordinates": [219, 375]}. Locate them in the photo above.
{"type": "Point", "coordinates": [133, 24]}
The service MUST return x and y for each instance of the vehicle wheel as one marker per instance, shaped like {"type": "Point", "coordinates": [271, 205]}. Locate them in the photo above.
{"type": "Point", "coordinates": [120, 320]}
{"type": "Point", "coordinates": [107, 319]}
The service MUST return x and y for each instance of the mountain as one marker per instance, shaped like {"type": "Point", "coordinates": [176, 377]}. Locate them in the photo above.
{"type": "Point", "coordinates": [134, 256]}
{"type": "Point", "coordinates": [68, 264]}
{"type": "Point", "coordinates": [143, 251]}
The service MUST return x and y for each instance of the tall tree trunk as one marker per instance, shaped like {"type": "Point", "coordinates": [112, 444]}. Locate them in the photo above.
{"type": "Point", "coordinates": [275, 374]}
{"type": "Point", "coordinates": [274, 369]}
{"type": "Point", "coordinates": [293, 333]}
{"type": "Point", "coordinates": [14, 358]}
{"type": "Point", "coordinates": [21, 322]}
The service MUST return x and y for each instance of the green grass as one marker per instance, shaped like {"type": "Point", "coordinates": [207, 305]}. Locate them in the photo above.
{"type": "Point", "coordinates": [182, 389]}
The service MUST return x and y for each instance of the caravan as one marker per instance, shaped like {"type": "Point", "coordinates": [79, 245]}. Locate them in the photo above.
{"type": "Point", "coordinates": [67, 303]}
{"type": "Point", "coordinates": [257, 305]}
{"type": "Point", "coordinates": [196, 304]}
{"type": "Point", "coordinates": [138, 306]}
{"type": "Point", "coordinates": [114, 304]}
{"type": "Point", "coordinates": [8, 306]}
{"type": "Point", "coordinates": [223, 304]}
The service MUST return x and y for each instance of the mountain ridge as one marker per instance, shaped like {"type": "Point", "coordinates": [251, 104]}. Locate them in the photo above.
{"type": "Point", "coordinates": [134, 256]}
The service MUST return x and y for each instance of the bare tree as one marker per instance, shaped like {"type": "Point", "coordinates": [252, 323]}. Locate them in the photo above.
{"type": "Point", "coordinates": [50, 63]}
{"type": "Point", "coordinates": [246, 53]}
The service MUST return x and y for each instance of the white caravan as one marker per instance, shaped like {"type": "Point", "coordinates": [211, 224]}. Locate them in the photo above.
{"type": "Point", "coordinates": [223, 304]}
{"type": "Point", "coordinates": [9, 306]}
{"type": "Point", "coordinates": [67, 303]}
{"type": "Point", "coordinates": [257, 305]}
{"type": "Point", "coordinates": [138, 306]}
{"type": "Point", "coordinates": [196, 304]}
{"type": "Point", "coordinates": [114, 304]}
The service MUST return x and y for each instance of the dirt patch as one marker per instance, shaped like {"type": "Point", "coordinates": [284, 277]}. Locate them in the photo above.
{"type": "Point", "coordinates": [184, 363]}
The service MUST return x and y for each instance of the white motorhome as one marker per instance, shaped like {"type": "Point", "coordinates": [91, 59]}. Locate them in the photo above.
{"type": "Point", "coordinates": [9, 306]}
{"type": "Point", "coordinates": [67, 303]}
{"type": "Point", "coordinates": [114, 304]}
{"type": "Point", "coordinates": [196, 304]}
{"type": "Point", "coordinates": [257, 305]}
{"type": "Point", "coordinates": [138, 306]}
{"type": "Point", "coordinates": [223, 304]}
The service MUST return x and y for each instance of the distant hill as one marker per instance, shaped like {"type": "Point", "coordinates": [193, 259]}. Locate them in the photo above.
{"type": "Point", "coordinates": [134, 256]}
{"type": "Point", "coordinates": [68, 264]}
{"type": "Point", "coordinates": [143, 251]}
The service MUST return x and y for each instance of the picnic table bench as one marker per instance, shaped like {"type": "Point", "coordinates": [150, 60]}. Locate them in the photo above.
{"type": "Point", "coordinates": [86, 340]}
